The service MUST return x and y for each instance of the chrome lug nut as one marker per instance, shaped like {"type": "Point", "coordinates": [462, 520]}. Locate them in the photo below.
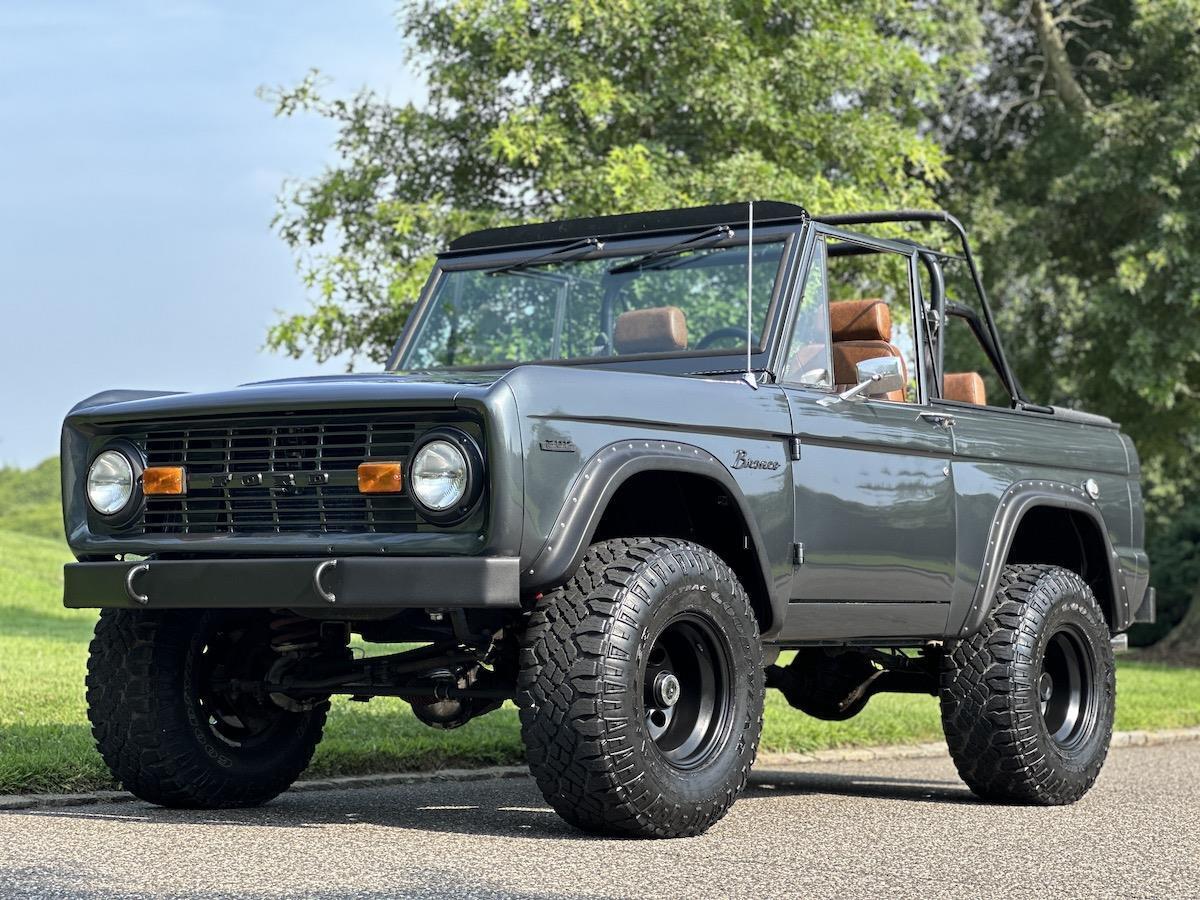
{"type": "Point", "coordinates": [666, 689]}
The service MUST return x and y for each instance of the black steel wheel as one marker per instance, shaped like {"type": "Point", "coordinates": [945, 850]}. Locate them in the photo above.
{"type": "Point", "coordinates": [641, 690]}
{"type": "Point", "coordinates": [1027, 702]}
{"type": "Point", "coordinates": [1066, 687]}
{"type": "Point", "coordinates": [686, 690]}
{"type": "Point", "coordinates": [170, 726]}
{"type": "Point", "coordinates": [232, 650]}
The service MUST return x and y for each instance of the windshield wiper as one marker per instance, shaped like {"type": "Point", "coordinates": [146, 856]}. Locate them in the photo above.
{"type": "Point", "coordinates": [559, 254]}
{"type": "Point", "coordinates": [713, 235]}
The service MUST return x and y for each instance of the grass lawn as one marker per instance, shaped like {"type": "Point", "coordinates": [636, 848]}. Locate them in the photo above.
{"type": "Point", "coordinates": [45, 744]}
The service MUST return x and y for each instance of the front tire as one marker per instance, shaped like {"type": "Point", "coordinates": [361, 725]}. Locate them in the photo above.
{"type": "Point", "coordinates": [167, 734]}
{"type": "Point", "coordinates": [1027, 702]}
{"type": "Point", "coordinates": [641, 690]}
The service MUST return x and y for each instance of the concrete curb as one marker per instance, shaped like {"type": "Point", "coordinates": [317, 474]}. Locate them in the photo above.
{"type": "Point", "coordinates": [1120, 739]}
{"type": "Point", "coordinates": [938, 748]}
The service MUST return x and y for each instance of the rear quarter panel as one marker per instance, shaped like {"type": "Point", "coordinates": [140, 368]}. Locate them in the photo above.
{"type": "Point", "coordinates": [995, 448]}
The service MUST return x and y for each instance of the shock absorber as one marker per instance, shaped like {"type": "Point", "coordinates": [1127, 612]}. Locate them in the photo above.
{"type": "Point", "coordinates": [294, 634]}
{"type": "Point", "coordinates": [307, 648]}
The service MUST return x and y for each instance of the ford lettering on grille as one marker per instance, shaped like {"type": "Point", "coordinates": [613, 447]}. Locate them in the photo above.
{"type": "Point", "coordinates": [280, 472]}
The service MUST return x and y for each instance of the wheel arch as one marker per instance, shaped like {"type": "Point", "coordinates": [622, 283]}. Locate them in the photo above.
{"type": "Point", "coordinates": [596, 508]}
{"type": "Point", "coordinates": [1056, 524]}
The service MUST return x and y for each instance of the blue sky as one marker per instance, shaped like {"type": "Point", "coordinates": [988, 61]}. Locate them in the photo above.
{"type": "Point", "coordinates": [138, 175]}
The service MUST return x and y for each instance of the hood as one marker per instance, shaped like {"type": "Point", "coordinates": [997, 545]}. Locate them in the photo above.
{"type": "Point", "coordinates": [368, 389]}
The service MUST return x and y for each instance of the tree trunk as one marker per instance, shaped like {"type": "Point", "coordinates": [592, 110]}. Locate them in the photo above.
{"type": "Point", "coordinates": [1058, 63]}
{"type": "Point", "coordinates": [1182, 643]}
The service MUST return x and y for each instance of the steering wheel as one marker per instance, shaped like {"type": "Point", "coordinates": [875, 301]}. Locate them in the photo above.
{"type": "Point", "coordinates": [720, 334]}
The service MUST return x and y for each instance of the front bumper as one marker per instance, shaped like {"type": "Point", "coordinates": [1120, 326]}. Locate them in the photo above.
{"type": "Point", "coordinates": [295, 583]}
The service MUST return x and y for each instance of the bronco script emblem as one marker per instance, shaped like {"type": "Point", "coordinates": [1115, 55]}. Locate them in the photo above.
{"type": "Point", "coordinates": [742, 460]}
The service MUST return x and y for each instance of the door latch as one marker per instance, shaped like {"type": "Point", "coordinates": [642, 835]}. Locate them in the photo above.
{"type": "Point", "coordinates": [938, 419]}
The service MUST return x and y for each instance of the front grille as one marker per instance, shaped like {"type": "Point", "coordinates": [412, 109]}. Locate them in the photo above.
{"type": "Point", "coordinates": [278, 472]}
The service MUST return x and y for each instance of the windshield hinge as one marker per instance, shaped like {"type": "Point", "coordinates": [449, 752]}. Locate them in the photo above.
{"type": "Point", "coordinates": [558, 254]}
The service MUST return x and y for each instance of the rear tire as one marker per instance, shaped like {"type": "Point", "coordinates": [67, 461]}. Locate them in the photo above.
{"type": "Point", "coordinates": [641, 690]}
{"type": "Point", "coordinates": [166, 735]}
{"type": "Point", "coordinates": [1027, 702]}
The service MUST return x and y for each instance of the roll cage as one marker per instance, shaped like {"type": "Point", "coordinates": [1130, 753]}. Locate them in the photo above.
{"type": "Point", "coordinates": [651, 231]}
{"type": "Point", "coordinates": [983, 328]}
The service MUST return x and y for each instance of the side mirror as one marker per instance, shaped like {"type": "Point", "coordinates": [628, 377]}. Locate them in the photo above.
{"type": "Point", "coordinates": [881, 375]}
{"type": "Point", "coordinates": [877, 377]}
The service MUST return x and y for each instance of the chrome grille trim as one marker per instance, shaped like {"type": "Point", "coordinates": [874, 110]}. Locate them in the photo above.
{"type": "Point", "coordinates": [274, 473]}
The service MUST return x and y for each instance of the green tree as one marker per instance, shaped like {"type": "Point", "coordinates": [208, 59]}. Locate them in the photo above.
{"type": "Point", "coordinates": [1175, 557]}
{"type": "Point", "coordinates": [1080, 159]}
{"type": "Point", "coordinates": [1079, 154]}
{"type": "Point", "coordinates": [543, 109]}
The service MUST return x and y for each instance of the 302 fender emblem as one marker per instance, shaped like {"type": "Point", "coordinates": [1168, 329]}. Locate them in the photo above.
{"type": "Point", "coordinates": [742, 460]}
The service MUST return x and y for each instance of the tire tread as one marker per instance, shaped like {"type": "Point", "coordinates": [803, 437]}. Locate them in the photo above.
{"type": "Point", "coordinates": [992, 726]}
{"type": "Point", "coordinates": [134, 705]}
{"type": "Point", "coordinates": [581, 756]}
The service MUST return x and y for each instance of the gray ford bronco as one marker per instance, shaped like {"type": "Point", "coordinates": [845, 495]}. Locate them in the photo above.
{"type": "Point", "coordinates": [628, 472]}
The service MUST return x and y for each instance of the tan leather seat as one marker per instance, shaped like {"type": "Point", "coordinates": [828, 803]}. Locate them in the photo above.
{"type": "Point", "coordinates": [966, 387]}
{"type": "Point", "coordinates": [661, 329]}
{"type": "Point", "coordinates": [862, 330]}
{"type": "Point", "coordinates": [860, 320]}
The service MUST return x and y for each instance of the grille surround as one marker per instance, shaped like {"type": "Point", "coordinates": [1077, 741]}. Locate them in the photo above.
{"type": "Point", "coordinates": [283, 473]}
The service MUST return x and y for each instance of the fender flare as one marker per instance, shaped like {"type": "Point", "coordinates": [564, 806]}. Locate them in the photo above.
{"type": "Point", "coordinates": [1021, 497]}
{"type": "Point", "coordinates": [600, 478]}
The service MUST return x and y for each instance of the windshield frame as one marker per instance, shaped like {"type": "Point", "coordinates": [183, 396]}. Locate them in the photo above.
{"type": "Point", "coordinates": [715, 361]}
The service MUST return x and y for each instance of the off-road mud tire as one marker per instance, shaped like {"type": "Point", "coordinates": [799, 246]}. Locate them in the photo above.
{"type": "Point", "coordinates": [991, 706]}
{"type": "Point", "coordinates": [581, 689]}
{"type": "Point", "coordinates": [142, 703]}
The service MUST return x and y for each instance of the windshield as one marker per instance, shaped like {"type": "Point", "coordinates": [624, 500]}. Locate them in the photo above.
{"type": "Point", "coordinates": [683, 298]}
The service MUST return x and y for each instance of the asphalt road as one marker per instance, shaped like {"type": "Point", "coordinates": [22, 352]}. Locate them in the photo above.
{"type": "Point", "coordinates": [904, 827]}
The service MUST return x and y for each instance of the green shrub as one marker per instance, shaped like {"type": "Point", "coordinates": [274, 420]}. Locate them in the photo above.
{"type": "Point", "coordinates": [1174, 551]}
{"type": "Point", "coordinates": [31, 500]}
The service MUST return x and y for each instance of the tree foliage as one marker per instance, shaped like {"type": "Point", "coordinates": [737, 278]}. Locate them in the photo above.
{"type": "Point", "coordinates": [1080, 157]}
{"type": "Point", "coordinates": [1063, 131]}
{"type": "Point", "coordinates": [544, 109]}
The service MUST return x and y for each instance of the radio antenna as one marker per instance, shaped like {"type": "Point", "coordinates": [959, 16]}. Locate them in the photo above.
{"type": "Point", "coordinates": [749, 376]}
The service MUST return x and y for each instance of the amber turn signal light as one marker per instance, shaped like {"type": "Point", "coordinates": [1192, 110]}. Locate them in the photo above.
{"type": "Point", "coordinates": [160, 480]}
{"type": "Point", "coordinates": [380, 478]}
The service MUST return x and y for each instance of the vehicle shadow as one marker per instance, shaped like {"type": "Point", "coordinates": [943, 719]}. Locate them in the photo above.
{"type": "Point", "coordinates": [509, 807]}
{"type": "Point", "coordinates": [768, 783]}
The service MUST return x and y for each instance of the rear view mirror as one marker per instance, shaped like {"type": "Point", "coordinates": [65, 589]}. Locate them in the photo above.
{"type": "Point", "coordinates": [877, 377]}
{"type": "Point", "coordinates": [881, 375]}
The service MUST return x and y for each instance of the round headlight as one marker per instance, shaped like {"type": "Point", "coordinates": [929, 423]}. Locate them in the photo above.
{"type": "Point", "coordinates": [110, 482]}
{"type": "Point", "coordinates": [439, 476]}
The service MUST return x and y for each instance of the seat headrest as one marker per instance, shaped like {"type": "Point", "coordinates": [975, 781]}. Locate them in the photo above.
{"type": "Point", "coordinates": [848, 354]}
{"type": "Point", "coordinates": [860, 320]}
{"type": "Point", "coordinates": [966, 387]}
{"type": "Point", "coordinates": [662, 329]}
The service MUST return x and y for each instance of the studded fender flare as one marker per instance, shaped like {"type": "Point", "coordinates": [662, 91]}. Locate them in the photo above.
{"type": "Point", "coordinates": [1019, 499]}
{"type": "Point", "coordinates": [600, 478]}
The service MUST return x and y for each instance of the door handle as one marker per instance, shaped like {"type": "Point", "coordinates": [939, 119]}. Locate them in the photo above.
{"type": "Point", "coordinates": [938, 419]}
